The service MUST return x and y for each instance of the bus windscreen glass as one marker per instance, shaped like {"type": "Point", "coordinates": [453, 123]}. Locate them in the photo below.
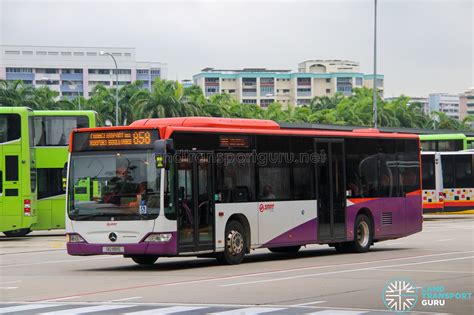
{"type": "Point", "coordinates": [121, 185]}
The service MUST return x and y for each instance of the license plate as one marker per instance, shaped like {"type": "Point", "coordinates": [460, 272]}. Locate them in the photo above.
{"type": "Point", "coordinates": [113, 249]}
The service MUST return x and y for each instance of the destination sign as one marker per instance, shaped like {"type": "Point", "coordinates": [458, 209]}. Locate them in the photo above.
{"type": "Point", "coordinates": [114, 139]}
{"type": "Point", "coordinates": [234, 141]}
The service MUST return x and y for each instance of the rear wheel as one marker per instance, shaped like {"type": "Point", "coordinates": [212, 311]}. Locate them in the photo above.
{"type": "Point", "coordinates": [286, 249]}
{"type": "Point", "coordinates": [17, 233]}
{"type": "Point", "coordinates": [363, 237]}
{"type": "Point", "coordinates": [235, 244]}
{"type": "Point", "coordinates": [145, 259]}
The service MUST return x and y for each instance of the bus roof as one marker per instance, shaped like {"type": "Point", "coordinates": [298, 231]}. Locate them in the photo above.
{"type": "Point", "coordinates": [14, 110]}
{"type": "Point", "coordinates": [89, 113]}
{"type": "Point", "coordinates": [237, 125]}
{"type": "Point", "coordinates": [451, 136]}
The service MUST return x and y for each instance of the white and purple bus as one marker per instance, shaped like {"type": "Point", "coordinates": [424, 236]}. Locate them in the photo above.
{"type": "Point", "coordinates": [217, 187]}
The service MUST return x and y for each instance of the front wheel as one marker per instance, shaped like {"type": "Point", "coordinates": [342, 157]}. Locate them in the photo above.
{"type": "Point", "coordinates": [235, 244]}
{"type": "Point", "coordinates": [147, 260]}
{"type": "Point", "coordinates": [17, 233]}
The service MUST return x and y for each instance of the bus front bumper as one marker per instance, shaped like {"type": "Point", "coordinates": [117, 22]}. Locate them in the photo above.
{"type": "Point", "coordinates": [168, 248]}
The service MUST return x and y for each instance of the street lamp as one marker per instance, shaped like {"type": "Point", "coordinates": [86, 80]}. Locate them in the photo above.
{"type": "Point", "coordinates": [375, 68]}
{"type": "Point", "coordinates": [102, 53]}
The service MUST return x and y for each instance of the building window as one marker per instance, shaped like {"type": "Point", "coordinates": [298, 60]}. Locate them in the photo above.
{"type": "Point", "coordinates": [19, 70]}
{"type": "Point", "coordinates": [66, 53]}
{"type": "Point", "coordinates": [53, 53]}
{"type": "Point", "coordinates": [27, 52]}
{"type": "Point", "coordinates": [127, 54]}
{"type": "Point", "coordinates": [91, 53]}
{"type": "Point", "coordinates": [247, 101]}
{"type": "Point", "coordinates": [142, 71]}
{"type": "Point", "coordinates": [328, 80]}
{"type": "Point", "coordinates": [266, 102]}
{"type": "Point", "coordinates": [286, 90]}
{"type": "Point", "coordinates": [78, 53]}
{"type": "Point", "coordinates": [154, 71]}
{"type": "Point", "coordinates": [115, 54]}
{"type": "Point", "coordinates": [12, 52]}
{"type": "Point", "coordinates": [359, 81]}
{"type": "Point", "coordinates": [122, 71]}
{"type": "Point", "coordinates": [328, 91]}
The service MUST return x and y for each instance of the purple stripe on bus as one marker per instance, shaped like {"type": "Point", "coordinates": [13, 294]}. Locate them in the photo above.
{"type": "Point", "coordinates": [142, 248]}
{"type": "Point", "coordinates": [305, 233]}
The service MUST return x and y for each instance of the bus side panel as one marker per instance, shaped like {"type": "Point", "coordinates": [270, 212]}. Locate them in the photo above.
{"type": "Point", "coordinates": [248, 209]}
{"type": "Point", "coordinates": [414, 212]}
{"type": "Point", "coordinates": [44, 215]}
{"type": "Point", "coordinates": [388, 216]}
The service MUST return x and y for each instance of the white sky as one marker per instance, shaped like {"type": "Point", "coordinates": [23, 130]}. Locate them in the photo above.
{"type": "Point", "coordinates": [423, 46]}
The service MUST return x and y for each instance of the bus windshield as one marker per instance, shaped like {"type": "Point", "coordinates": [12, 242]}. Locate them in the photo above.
{"type": "Point", "coordinates": [114, 186]}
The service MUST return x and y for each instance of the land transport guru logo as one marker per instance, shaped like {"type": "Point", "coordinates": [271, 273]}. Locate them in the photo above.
{"type": "Point", "coordinates": [401, 295]}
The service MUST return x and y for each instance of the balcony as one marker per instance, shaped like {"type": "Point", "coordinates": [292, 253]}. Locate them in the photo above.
{"type": "Point", "coordinates": [20, 76]}
{"type": "Point", "coordinates": [72, 88]}
{"type": "Point", "coordinates": [71, 76]}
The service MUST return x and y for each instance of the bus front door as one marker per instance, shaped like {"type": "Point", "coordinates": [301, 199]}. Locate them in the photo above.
{"type": "Point", "coordinates": [195, 203]}
{"type": "Point", "coordinates": [330, 175]}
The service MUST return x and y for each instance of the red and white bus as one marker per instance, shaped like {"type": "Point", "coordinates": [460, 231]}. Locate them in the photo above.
{"type": "Point", "coordinates": [216, 187]}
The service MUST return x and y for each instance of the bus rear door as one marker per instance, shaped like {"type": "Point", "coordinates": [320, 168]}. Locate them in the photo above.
{"type": "Point", "coordinates": [195, 203]}
{"type": "Point", "coordinates": [330, 181]}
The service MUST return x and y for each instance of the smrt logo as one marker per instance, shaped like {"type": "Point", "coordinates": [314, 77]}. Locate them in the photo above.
{"type": "Point", "coordinates": [266, 207]}
{"type": "Point", "coordinates": [111, 223]}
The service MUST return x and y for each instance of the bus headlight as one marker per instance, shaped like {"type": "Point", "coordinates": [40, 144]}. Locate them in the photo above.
{"type": "Point", "coordinates": [74, 238]}
{"type": "Point", "coordinates": [158, 238]}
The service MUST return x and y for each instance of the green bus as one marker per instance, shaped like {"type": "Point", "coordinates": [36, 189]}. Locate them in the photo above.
{"type": "Point", "coordinates": [44, 139]}
{"type": "Point", "coordinates": [443, 142]}
{"type": "Point", "coordinates": [470, 142]}
{"type": "Point", "coordinates": [17, 171]}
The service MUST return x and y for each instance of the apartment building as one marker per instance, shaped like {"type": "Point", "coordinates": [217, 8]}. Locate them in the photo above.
{"type": "Point", "coordinates": [73, 71]}
{"type": "Point", "coordinates": [263, 86]}
{"type": "Point", "coordinates": [446, 103]}
{"type": "Point", "coordinates": [466, 103]}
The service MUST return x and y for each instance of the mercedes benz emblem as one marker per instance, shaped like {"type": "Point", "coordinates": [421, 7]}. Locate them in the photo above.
{"type": "Point", "coordinates": [112, 237]}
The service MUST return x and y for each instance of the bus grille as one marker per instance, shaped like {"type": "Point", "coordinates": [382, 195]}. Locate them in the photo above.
{"type": "Point", "coordinates": [386, 218]}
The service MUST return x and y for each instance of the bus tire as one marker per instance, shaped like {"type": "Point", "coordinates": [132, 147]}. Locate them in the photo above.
{"type": "Point", "coordinates": [286, 249]}
{"type": "Point", "coordinates": [235, 244]}
{"type": "Point", "coordinates": [146, 260]}
{"type": "Point", "coordinates": [364, 233]}
{"type": "Point", "coordinates": [17, 233]}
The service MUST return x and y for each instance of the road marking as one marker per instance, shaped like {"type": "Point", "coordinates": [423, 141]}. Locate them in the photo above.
{"type": "Point", "coordinates": [89, 309]}
{"type": "Point", "coordinates": [309, 303]}
{"type": "Point", "coordinates": [431, 271]}
{"type": "Point", "coordinates": [306, 268]}
{"type": "Point", "coordinates": [341, 271]}
{"type": "Point", "coordinates": [167, 310]}
{"type": "Point", "coordinates": [395, 243]}
{"type": "Point", "coordinates": [187, 282]}
{"type": "Point", "coordinates": [126, 299]}
{"type": "Point", "coordinates": [64, 298]}
{"type": "Point", "coordinates": [10, 282]}
{"type": "Point", "coordinates": [26, 307]}
{"type": "Point", "coordinates": [8, 288]}
{"type": "Point", "coordinates": [337, 312]}
{"type": "Point", "coordinates": [60, 261]}
{"type": "Point", "coordinates": [445, 240]}
{"type": "Point", "coordinates": [249, 311]}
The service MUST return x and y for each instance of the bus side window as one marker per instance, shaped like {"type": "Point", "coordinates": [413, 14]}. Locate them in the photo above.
{"type": "Point", "coordinates": [1, 183]}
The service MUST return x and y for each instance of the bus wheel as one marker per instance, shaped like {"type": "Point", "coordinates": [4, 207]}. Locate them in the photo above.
{"type": "Point", "coordinates": [363, 234]}
{"type": "Point", "coordinates": [145, 259]}
{"type": "Point", "coordinates": [17, 233]}
{"type": "Point", "coordinates": [287, 249]}
{"type": "Point", "coordinates": [235, 244]}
